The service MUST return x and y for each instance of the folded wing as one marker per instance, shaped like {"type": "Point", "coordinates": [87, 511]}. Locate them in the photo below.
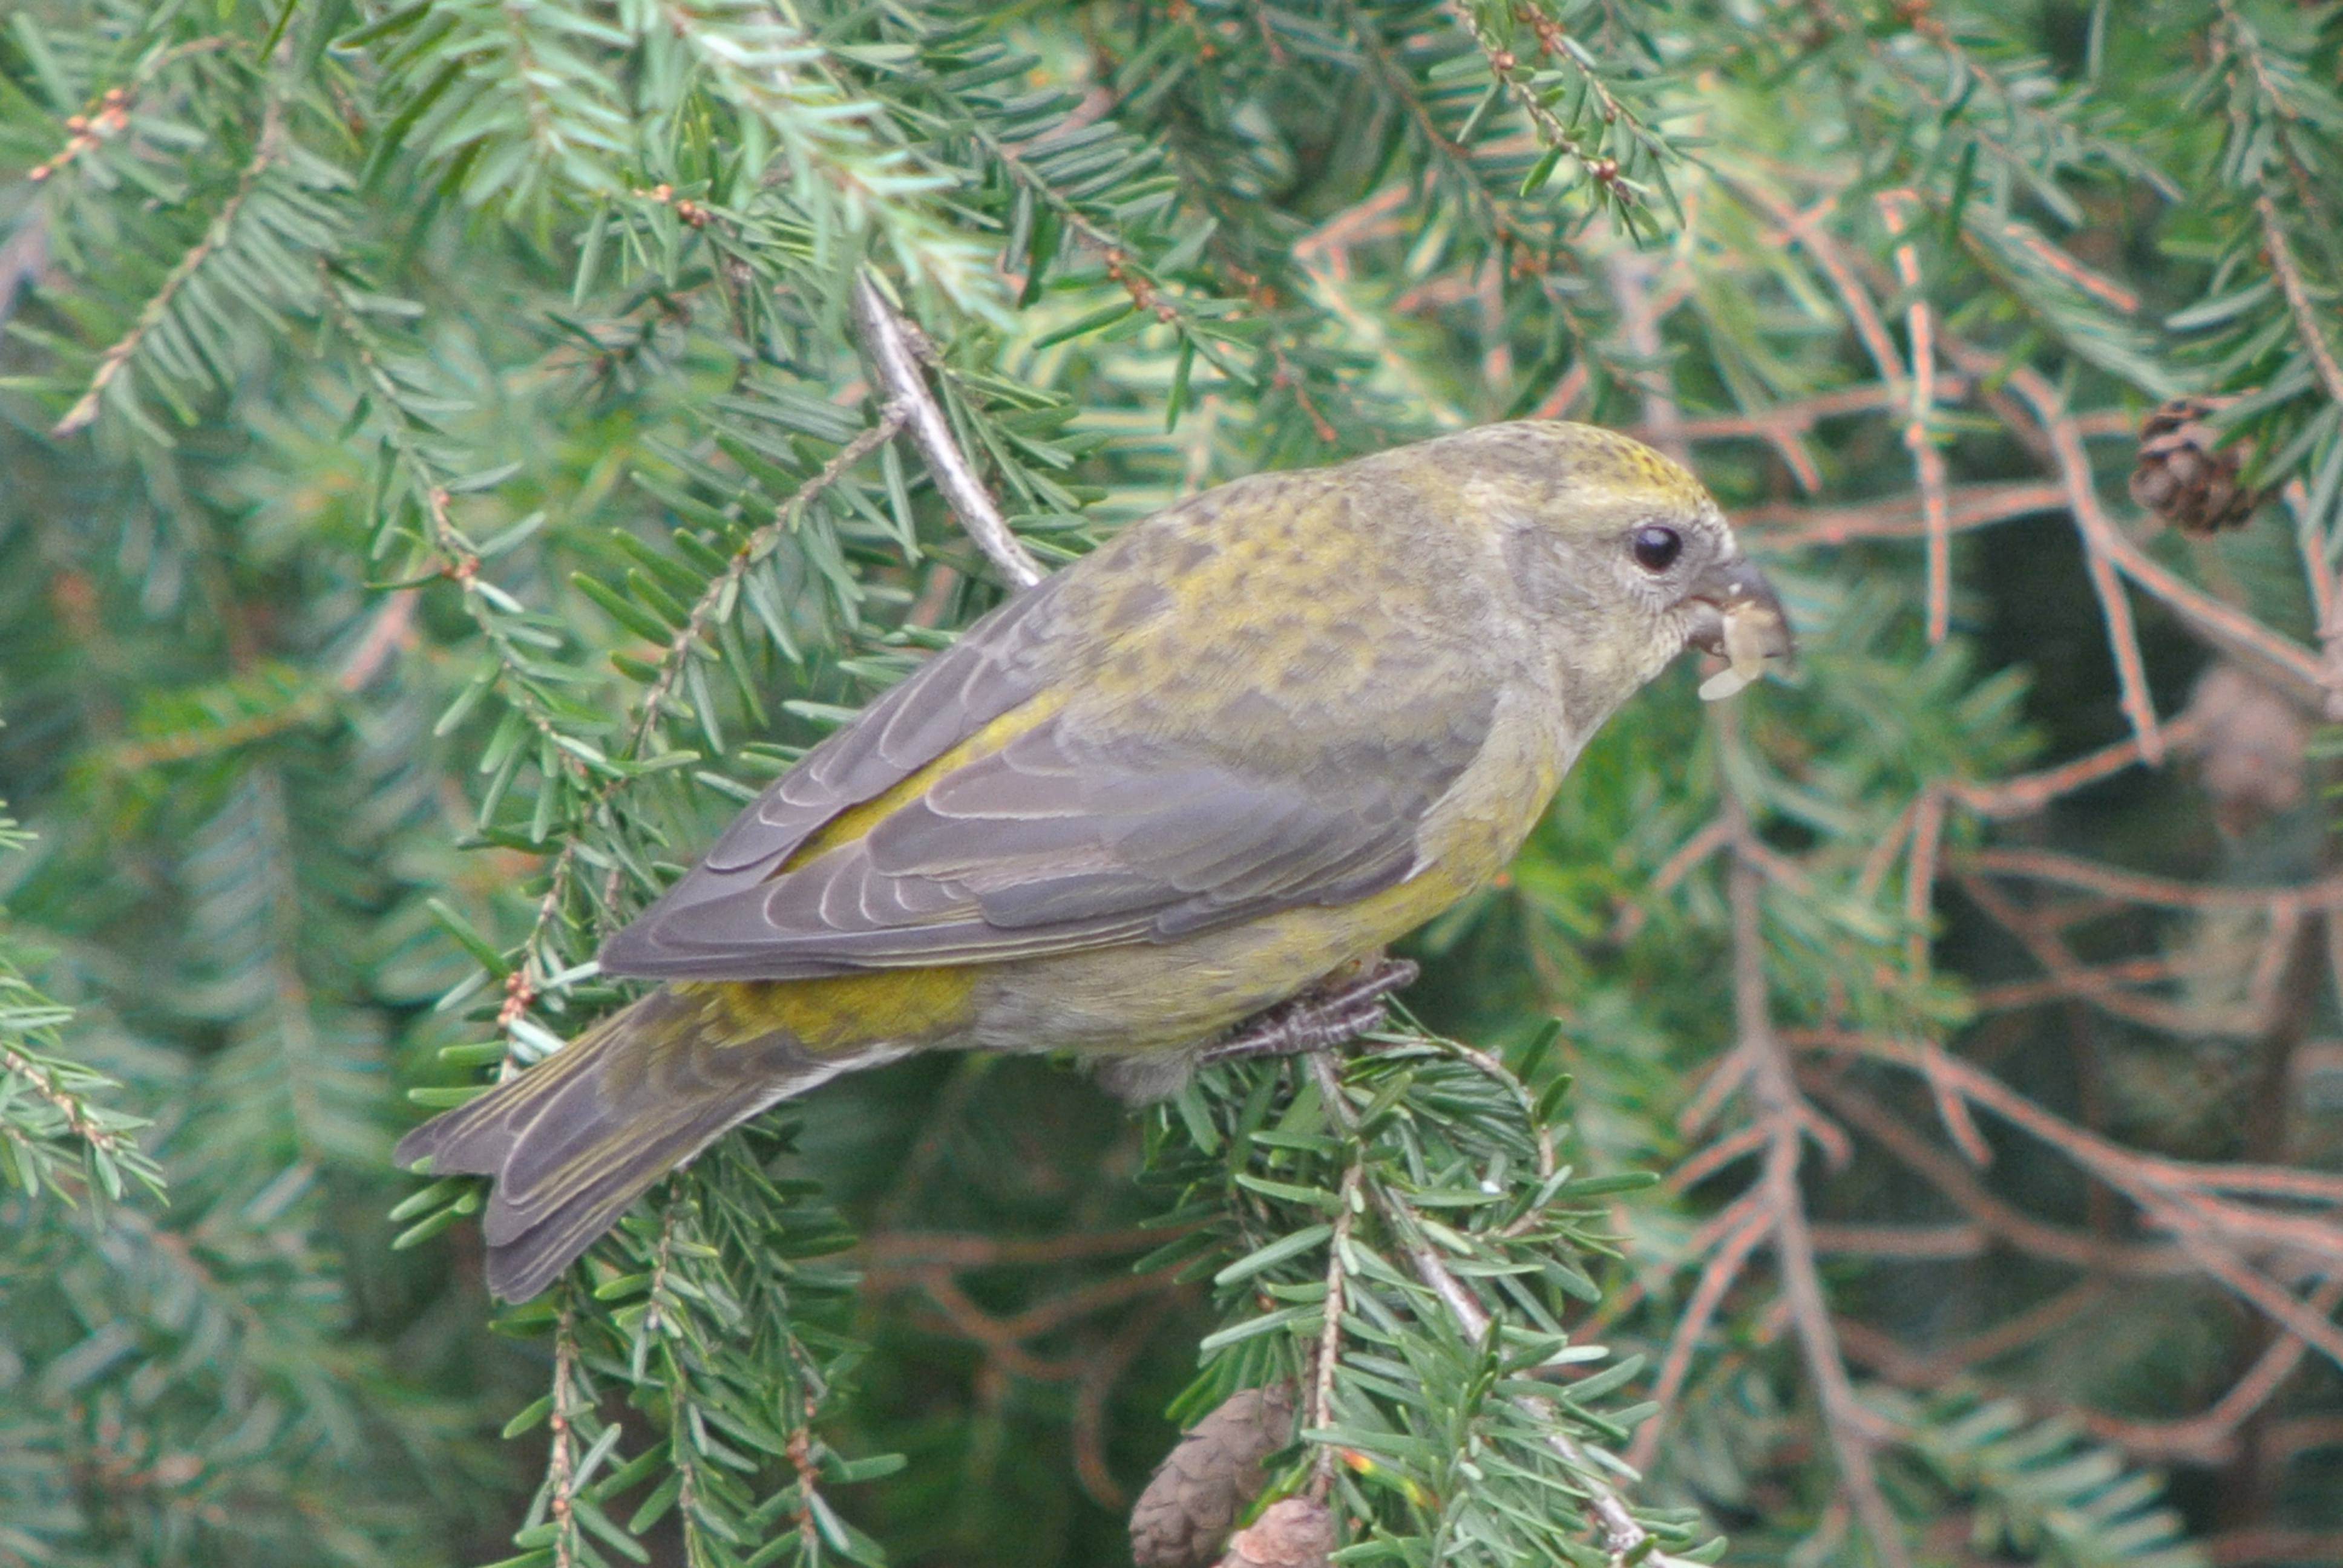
{"type": "Point", "coordinates": [1062, 839]}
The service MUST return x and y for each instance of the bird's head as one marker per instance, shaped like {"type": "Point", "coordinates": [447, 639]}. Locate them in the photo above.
{"type": "Point", "coordinates": [1620, 554]}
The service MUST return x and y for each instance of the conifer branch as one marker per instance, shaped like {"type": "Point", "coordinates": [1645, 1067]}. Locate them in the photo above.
{"type": "Point", "coordinates": [267, 150]}
{"type": "Point", "coordinates": [2308, 316]}
{"type": "Point", "coordinates": [1624, 1538]}
{"type": "Point", "coordinates": [725, 586]}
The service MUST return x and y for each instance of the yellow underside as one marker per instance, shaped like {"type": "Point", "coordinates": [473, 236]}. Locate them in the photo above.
{"type": "Point", "coordinates": [1131, 996]}
{"type": "Point", "coordinates": [842, 1012]}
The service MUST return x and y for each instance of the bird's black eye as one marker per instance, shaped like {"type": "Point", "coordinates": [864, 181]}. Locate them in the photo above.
{"type": "Point", "coordinates": [1656, 549]}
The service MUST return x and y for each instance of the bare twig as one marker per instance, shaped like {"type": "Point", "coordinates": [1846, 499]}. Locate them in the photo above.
{"type": "Point", "coordinates": [1928, 1370]}
{"type": "Point", "coordinates": [1786, 421]}
{"type": "Point", "coordinates": [2211, 1436]}
{"type": "Point", "coordinates": [390, 628]}
{"type": "Point", "coordinates": [1903, 1242]}
{"type": "Point", "coordinates": [1950, 1176]}
{"type": "Point", "coordinates": [1853, 1431]}
{"type": "Point", "coordinates": [890, 1256]}
{"type": "Point", "coordinates": [1806, 228]}
{"type": "Point", "coordinates": [1709, 839]}
{"type": "Point", "coordinates": [1928, 461]}
{"type": "Point", "coordinates": [2213, 1233]}
{"type": "Point", "coordinates": [1330, 1333]}
{"type": "Point", "coordinates": [2057, 434]}
{"type": "Point", "coordinates": [1747, 1230]}
{"type": "Point", "coordinates": [2101, 546]}
{"type": "Point", "coordinates": [1779, 1212]}
{"type": "Point", "coordinates": [2203, 1241]}
{"type": "Point", "coordinates": [2030, 792]}
{"type": "Point", "coordinates": [887, 338]}
{"type": "Point", "coordinates": [1712, 1157]}
{"type": "Point", "coordinates": [1778, 530]}
{"type": "Point", "coordinates": [1100, 1374]}
{"type": "Point", "coordinates": [2139, 887]}
{"type": "Point", "coordinates": [1725, 1079]}
{"type": "Point", "coordinates": [1567, 391]}
{"type": "Point", "coordinates": [1920, 881]}
{"type": "Point", "coordinates": [2254, 1547]}
{"type": "Point", "coordinates": [1952, 1109]}
{"type": "Point", "coordinates": [1002, 1336]}
{"type": "Point", "coordinates": [2122, 1167]}
{"type": "Point", "coordinates": [1889, 847]}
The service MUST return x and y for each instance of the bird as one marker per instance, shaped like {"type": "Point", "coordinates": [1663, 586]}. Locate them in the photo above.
{"type": "Point", "coordinates": [1219, 761]}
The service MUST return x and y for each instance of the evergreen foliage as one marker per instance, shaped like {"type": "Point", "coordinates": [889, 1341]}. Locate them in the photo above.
{"type": "Point", "coordinates": [1889, 1118]}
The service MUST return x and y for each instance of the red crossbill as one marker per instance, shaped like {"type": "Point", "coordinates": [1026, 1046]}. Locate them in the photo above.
{"type": "Point", "coordinates": [1248, 742]}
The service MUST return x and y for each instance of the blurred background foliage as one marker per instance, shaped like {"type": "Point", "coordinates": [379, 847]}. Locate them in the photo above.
{"type": "Point", "coordinates": [439, 480]}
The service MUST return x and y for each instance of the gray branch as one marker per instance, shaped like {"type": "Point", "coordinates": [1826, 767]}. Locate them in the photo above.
{"type": "Point", "coordinates": [887, 338]}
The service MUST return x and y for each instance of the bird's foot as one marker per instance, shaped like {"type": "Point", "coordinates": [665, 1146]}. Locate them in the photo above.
{"type": "Point", "coordinates": [1324, 1016]}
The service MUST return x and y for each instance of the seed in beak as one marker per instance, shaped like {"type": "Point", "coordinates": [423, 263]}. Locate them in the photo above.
{"type": "Point", "coordinates": [1754, 635]}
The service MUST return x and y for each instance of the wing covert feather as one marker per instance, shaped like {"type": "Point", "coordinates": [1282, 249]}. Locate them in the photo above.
{"type": "Point", "coordinates": [1057, 843]}
{"type": "Point", "coordinates": [1001, 661]}
{"type": "Point", "coordinates": [989, 670]}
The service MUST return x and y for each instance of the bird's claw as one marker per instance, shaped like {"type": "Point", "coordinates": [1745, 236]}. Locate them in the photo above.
{"type": "Point", "coordinates": [1318, 1019]}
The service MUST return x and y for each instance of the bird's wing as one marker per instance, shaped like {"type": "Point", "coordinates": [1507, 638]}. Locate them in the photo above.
{"type": "Point", "coordinates": [1048, 837]}
{"type": "Point", "coordinates": [997, 664]}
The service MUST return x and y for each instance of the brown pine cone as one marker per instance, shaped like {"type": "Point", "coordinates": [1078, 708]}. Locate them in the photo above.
{"type": "Point", "coordinates": [1209, 1476]}
{"type": "Point", "coordinates": [2186, 475]}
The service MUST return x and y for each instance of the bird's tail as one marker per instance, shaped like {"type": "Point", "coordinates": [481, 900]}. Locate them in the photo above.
{"type": "Point", "coordinates": [575, 1140]}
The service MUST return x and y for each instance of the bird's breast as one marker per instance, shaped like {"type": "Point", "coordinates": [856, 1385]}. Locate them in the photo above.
{"type": "Point", "coordinates": [1474, 830]}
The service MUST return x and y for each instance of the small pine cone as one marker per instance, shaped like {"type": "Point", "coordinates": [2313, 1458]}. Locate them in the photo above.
{"type": "Point", "coordinates": [1209, 1476]}
{"type": "Point", "coordinates": [2185, 475]}
{"type": "Point", "coordinates": [1291, 1533]}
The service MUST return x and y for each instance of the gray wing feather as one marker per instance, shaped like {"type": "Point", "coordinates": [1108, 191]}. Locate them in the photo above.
{"type": "Point", "coordinates": [1000, 663]}
{"type": "Point", "coordinates": [1059, 841]}
{"type": "Point", "coordinates": [1056, 843]}
{"type": "Point", "coordinates": [995, 665]}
